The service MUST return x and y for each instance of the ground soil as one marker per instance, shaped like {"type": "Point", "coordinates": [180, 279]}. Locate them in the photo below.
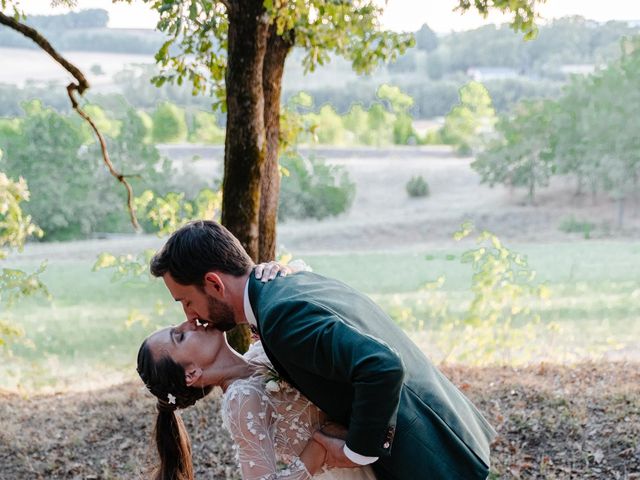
{"type": "Point", "coordinates": [580, 422]}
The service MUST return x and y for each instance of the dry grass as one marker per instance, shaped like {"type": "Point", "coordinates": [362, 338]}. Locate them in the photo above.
{"type": "Point", "coordinates": [555, 422]}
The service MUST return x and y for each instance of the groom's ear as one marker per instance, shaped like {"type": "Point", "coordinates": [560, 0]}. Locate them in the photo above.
{"type": "Point", "coordinates": [213, 281]}
{"type": "Point", "coordinates": [192, 375]}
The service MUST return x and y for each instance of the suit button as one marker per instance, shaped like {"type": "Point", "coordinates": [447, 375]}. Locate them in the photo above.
{"type": "Point", "coordinates": [386, 445]}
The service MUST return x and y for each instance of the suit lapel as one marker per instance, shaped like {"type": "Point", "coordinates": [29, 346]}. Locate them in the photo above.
{"type": "Point", "coordinates": [255, 293]}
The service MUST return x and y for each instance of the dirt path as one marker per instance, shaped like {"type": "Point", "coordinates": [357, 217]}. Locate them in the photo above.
{"type": "Point", "coordinates": [554, 423]}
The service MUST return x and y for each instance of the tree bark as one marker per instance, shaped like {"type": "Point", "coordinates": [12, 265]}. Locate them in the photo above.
{"type": "Point", "coordinates": [277, 50]}
{"type": "Point", "coordinates": [245, 143]}
{"type": "Point", "coordinates": [245, 134]}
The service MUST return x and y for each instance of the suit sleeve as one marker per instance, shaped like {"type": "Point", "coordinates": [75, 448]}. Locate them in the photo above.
{"type": "Point", "coordinates": [313, 338]}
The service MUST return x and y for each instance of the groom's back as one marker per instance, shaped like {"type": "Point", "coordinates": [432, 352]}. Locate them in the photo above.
{"type": "Point", "coordinates": [302, 298]}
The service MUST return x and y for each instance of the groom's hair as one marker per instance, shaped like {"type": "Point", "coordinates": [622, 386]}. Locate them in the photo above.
{"type": "Point", "coordinates": [197, 248]}
{"type": "Point", "coordinates": [165, 379]}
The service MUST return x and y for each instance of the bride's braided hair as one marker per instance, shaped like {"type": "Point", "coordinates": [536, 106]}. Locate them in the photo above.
{"type": "Point", "coordinates": [165, 380]}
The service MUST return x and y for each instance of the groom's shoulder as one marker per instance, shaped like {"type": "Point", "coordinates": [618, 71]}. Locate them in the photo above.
{"type": "Point", "coordinates": [298, 286]}
{"type": "Point", "coordinates": [309, 283]}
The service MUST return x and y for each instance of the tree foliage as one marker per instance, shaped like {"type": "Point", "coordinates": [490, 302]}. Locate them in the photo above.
{"type": "Point", "coordinates": [195, 51]}
{"type": "Point", "coordinates": [169, 123]}
{"type": "Point", "coordinates": [469, 123]}
{"type": "Point", "coordinates": [498, 323]}
{"type": "Point", "coordinates": [426, 39]}
{"type": "Point", "coordinates": [15, 228]}
{"type": "Point", "coordinates": [59, 159]}
{"type": "Point", "coordinates": [588, 133]}
{"type": "Point", "coordinates": [523, 155]}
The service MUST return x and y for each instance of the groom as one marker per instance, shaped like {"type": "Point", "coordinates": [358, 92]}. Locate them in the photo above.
{"type": "Point", "coordinates": [341, 351]}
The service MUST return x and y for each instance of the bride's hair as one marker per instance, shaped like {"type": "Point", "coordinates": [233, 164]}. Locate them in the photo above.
{"type": "Point", "coordinates": [165, 380]}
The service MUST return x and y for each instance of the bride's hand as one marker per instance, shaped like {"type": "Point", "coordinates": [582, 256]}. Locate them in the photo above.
{"type": "Point", "coordinates": [269, 271]}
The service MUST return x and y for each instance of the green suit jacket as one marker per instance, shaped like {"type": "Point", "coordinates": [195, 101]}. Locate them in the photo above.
{"type": "Point", "coordinates": [348, 357]}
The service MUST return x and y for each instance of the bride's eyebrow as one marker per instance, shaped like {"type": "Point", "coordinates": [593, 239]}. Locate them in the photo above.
{"type": "Point", "coordinates": [171, 332]}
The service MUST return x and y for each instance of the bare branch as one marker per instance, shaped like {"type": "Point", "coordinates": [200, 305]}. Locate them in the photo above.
{"type": "Point", "coordinates": [81, 86]}
{"type": "Point", "coordinates": [71, 88]}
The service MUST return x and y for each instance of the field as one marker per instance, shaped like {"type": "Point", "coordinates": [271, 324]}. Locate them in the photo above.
{"type": "Point", "coordinates": [78, 348]}
{"type": "Point", "coordinates": [23, 66]}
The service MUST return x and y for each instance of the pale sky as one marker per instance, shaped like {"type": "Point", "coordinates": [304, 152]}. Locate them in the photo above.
{"type": "Point", "coordinates": [407, 15]}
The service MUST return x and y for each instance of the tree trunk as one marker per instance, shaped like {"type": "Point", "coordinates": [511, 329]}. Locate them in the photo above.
{"type": "Point", "coordinates": [532, 181]}
{"type": "Point", "coordinates": [245, 144]}
{"type": "Point", "coordinates": [621, 200]}
{"type": "Point", "coordinates": [245, 134]}
{"type": "Point", "coordinates": [277, 50]}
{"type": "Point", "coordinates": [579, 185]}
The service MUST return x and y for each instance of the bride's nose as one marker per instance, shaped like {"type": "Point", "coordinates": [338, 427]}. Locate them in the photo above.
{"type": "Point", "coordinates": [189, 325]}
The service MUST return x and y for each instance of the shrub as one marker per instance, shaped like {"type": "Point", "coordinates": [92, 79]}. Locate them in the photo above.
{"type": "Point", "coordinates": [417, 187]}
{"type": "Point", "coordinates": [573, 225]}
{"type": "Point", "coordinates": [313, 189]}
{"type": "Point", "coordinates": [96, 69]}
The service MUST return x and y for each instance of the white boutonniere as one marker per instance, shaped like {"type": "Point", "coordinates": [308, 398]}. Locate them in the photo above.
{"type": "Point", "coordinates": [273, 382]}
{"type": "Point", "coordinates": [272, 386]}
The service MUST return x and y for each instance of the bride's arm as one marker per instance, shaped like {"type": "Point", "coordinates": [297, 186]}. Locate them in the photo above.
{"type": "Point", "coordinates": [313, 456]}
{"type": "Point", "coordinates": [248, 418]}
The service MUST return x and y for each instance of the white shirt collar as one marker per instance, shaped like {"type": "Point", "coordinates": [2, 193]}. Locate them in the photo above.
{"type": "Point", "coordinates": [248, 311]}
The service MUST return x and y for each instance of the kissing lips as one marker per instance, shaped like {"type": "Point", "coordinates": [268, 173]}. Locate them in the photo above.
{"type": "Point", "coordinates": [202, 323]}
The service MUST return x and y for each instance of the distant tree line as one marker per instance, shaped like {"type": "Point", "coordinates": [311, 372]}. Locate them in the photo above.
{"type": "Point", "coordinates": [434, 70]}
{"type": "Point", "coordinates": [433, 98]}
{"type": "Point", "coordinates": [85, 30]}
{"type": "Point", "coordinates": [431, 73]}
{"type": "Point", "coordinates": [565, 41]}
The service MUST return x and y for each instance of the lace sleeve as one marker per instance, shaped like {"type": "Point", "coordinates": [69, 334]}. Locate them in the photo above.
{"type": "Point", "coordinates": [249, 417]}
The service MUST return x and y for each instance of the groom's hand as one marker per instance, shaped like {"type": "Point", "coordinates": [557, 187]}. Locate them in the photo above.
{"type": "Point", "coordinates": [333, 429]}
{"type": "Point", "coordinates": [335, 451]}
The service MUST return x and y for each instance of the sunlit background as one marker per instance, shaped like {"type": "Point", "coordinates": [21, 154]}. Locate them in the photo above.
{"type": "Point", "coordinates": [482, 188]}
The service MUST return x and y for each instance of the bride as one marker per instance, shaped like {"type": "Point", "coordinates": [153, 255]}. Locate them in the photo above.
{"type": "Point", "coordinates": [271, 424]}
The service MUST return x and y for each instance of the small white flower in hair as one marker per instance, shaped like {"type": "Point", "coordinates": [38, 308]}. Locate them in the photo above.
{"type": "Point", "coordinates": [172, 399]}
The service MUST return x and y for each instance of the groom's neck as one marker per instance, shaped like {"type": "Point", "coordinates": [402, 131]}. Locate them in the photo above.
{"type": "Point", "coordinates": [235, 287]}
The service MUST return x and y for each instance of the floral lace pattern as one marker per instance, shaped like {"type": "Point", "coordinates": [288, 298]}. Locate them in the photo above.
{"type": "Point", "coordinates": [271, 426]}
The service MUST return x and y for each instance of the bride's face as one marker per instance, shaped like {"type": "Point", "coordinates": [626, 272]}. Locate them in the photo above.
{"type": "Point", "coordinates": [187, 347]}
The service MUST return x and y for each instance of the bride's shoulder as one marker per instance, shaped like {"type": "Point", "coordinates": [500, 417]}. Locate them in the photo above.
{"type": "Point", "coordinates": [255, 347]}
{"type": "Point", "coordinates": [256, 353]}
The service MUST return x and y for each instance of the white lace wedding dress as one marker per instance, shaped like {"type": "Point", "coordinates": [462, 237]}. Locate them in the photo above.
{"type": "Point", "coordinates": [270, 428]}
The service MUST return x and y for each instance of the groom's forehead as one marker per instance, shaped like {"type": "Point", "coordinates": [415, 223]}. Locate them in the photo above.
{"type": "Point", "coordinates": [177, 290]}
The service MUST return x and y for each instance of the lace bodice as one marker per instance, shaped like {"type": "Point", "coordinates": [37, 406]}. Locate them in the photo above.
{"type": "Point", "coordinates": [269, 427]}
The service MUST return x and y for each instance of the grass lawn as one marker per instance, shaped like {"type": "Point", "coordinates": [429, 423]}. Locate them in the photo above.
{"type": "Point", "coordinates": [82, 339]}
